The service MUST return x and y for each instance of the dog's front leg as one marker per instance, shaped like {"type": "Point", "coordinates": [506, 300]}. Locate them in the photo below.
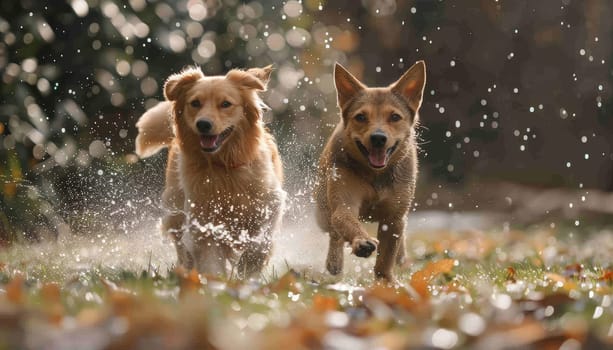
{"type": "Point", "coordinates": [209, 255]}
{"type": "Point", "coordinates": [390, 234]}
{"type": "Point", "coordinates": [401, 255]}
{"type": "Point", "coordinates": [334, 260]}
{"type": "Point", "coordinates": [345, 222]}
{"type": "Point", "coordinates": [172, 225]}
{"type": "Point", "coordinates": [254, 258]}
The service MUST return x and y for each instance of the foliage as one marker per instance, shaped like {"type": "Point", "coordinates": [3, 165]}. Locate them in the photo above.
{"type": "Point", "coordinates": [503, 289]}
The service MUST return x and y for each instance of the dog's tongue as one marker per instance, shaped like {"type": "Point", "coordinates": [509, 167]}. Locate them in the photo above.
{"type": "Point", "coordinates": [376, 157]}
{"type": "Point", "coordinates": [208, 142]}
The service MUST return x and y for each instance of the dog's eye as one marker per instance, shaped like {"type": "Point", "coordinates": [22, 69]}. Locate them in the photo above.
{"type": "Point", "coordinates": [360, 118]}
{"type": "Point", "coordinates": [226, 104]}
{"type": "Point", "coordinates": [195, 103]}
{"type": "Point", "coordinates": [395, 117]}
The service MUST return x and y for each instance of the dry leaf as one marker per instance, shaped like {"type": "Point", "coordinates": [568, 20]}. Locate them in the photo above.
{"type": "Point", "coordinates": [392, 296]}
{"type": "Point", "coordinates": [323, 303]}
{"type": "Point", "coordinates": [573, 271]}
{"type": "Point", "coordinates": [287, 282]}
{"type": "Point", "coordinates": [559, 279]}
{"type": "Point", "coordinates": [607, 276]}
{"type": "Point", "coordinates": [511, 273]}
{"type": "Point", "coordinates": [188, 281]}
{"type": "Point", "coordinates": [421, 279]}
{"type": "Point", "coordinates": [15, 290]}
{"type": "Point", "coordinates": [50, 292]}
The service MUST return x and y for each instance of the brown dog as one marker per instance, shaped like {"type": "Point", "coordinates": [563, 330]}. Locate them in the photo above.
{"type": "Point", "coordinates": [368, 168]}
{"type": "Point", "coordinates": [224, 173]}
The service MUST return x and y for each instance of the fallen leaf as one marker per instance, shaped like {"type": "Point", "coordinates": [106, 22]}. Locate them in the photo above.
{"type": "Point", "coordinates": [188, 281]}
{"type": "Point", "coordinates": [392, 296]}
{"type": "Point", "coordinates": [421, 279]}
{"type": "Point", "coordinates": [14, 290]}
{"type": "Point", "coordinates": [607, 276]}
{"type": "Point", "coordinates": [287, 282]}
{"type": "Point", "coordinates": [323, 303]}
{"type": "Point", "coordinates": [50, 292]}
{"type": "Point", "coordinates": [511, 273]}
{"type": "Point", "coordinates": [559, 279]}
{"type": "Point", "coordinates": [519, 335]}
{"type": "Point", "coordinates": [573, 271]}
{"type": "Point", "coordinates": [52, 303]}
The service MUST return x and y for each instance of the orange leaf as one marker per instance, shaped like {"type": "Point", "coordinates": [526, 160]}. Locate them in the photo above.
{"type": "Point", "coordinates": [392, 296]}
{"type": "Point", "coordinates": [421, 279]}
{"type": "Point", "coordinates": [323, 303]}
{"type": "Point", "coordinates": [607, 276]}
{"type": "Point", "coordinates": [122, 303]}
{"type": "Point", "coordinates": [559, 279]}
{"type": "Point", "coordinates": [50, 292]}
{"type": "Point", "coordinates": [511, 274]}
{"type": "Point", "coordinates": [188, 281]}
{"type": "Point", "coordinates": [14, 290]}
{"type": "Point", "coordinates": [287, 282]}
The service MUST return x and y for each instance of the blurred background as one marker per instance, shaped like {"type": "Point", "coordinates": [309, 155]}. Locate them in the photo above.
{"type": "Point", "coordinates": [516, 117]}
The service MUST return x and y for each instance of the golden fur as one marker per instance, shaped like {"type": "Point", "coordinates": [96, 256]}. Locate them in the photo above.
{"type": "Point", "coordinates": [368, 168]}
{"type": "Point", "coordinates": [223, 191]}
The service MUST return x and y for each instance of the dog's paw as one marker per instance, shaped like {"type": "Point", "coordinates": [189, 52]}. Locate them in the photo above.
{"type": "Point", "coordinates": [334, 267]}
{"type": "Point", "coordinates": [364, 247]}
{"type": "Point", "coordinates": [387, 278]}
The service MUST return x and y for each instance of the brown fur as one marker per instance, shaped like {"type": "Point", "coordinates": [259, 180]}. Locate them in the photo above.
{"type": "Point", "coordinates": [219, 201]}
{"type": "Point", "coordinates": [351, 188]}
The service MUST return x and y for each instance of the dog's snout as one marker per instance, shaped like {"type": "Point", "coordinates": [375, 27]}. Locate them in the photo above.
{"type": "Point", "coordinates": [378, 139]}
{"type": "Point", "coordinates": [204, 126]}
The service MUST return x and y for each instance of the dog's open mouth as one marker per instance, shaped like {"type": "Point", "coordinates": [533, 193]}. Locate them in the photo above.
{"type": "Point", "coordinates": [211, 143]}
{"type": "Point", "coordinates": [377, 156]}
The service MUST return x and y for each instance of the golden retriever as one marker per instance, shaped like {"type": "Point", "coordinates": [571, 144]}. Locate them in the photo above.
{"type": "Point", "coordinates": [223, 191]}
{"type": "Point", "coordinates": [368, 168]}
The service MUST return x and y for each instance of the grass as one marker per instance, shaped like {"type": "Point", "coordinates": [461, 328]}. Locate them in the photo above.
{"type": "Point", "coordinates": [483, 289]}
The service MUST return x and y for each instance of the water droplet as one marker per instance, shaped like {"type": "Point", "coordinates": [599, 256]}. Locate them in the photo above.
{"type": "Point", "coordinates": [444, 338]}
{"type": "Point", "coordinates": [472, 324]}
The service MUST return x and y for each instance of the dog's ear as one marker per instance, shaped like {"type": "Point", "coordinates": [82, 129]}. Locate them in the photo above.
{"type": "Point", "coordinates": [346, 85]}
{"type": "Point", "coordinates": [177, 84]}
{"type": "Point", "coordinates": [411, 85]}
{"type": "Point", "coordinates": [262, 73]}
{"type": "Point", "coordinates": [254, 78]}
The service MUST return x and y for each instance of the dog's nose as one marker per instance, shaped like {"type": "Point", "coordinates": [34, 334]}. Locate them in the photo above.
{"type": "Point", "coordinates": [378, 139]}
{"type": "Point", "coordinates": [204, 126]}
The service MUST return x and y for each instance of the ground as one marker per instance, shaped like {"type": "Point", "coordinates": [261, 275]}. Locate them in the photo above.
{"type": "Point", "coordinates": [470, 282]}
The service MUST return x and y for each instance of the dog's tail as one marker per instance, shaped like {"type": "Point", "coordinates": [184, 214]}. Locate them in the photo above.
{"type": "Point", "coordinates": [154, 130]}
